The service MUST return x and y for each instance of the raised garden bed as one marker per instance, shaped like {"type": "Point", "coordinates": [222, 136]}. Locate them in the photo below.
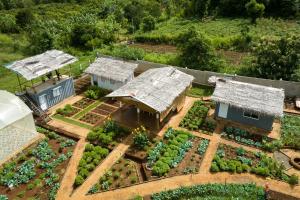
{"type": "Point", "coordinates": [238, 160]}
{"type": "Point", "coordinates": [178, 153]}
{"type": "Point", "coordinates": [100, 111]}
{"type": "Point", "coordinates": [113, 102]}
{"type": "Point", "coordinates": [109, 135]}
{"type": "Point", "coordinates": [196, 118]}
{"type": "Point", "coordinates": [83, 103]}
{"type": "Point", "coordinates": [92, 157]}
{"type": "Point", "coordinates": [92, 118]}
{"type": "Point", "coordinates": [123, 173]}
{"type": "Point", "coordinates": [245, 137]}
{"type": "Point", "coordinates": [107, 108]}
{"type": "Point", "coordinates": [37, 171]}
{"type": "Point", "coordinates": [290, 131]}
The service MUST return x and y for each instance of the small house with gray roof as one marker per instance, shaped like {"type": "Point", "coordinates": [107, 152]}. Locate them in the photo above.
{"type": "Point", "coordinates": [248, 104]}
{"type": "Point", "coordinates": [157, 91]}
{"type": "Point", "coordinates": [110, 73]}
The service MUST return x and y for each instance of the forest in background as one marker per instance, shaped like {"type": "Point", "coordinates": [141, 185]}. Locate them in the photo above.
{"type": "Point", "coordinates": [258, 38]}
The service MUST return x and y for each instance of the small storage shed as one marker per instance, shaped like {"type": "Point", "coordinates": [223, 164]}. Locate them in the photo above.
{"type": "Point", "coordinates": [246, 103]}
{"type": "Point", "coordinates": [53, 87]}
{"type": "Point", "coordinates": [111, 74]}
{"type": "Point", "coordinates": [17, 128]}
{"type": "Point", "coordinates": [157, 91]}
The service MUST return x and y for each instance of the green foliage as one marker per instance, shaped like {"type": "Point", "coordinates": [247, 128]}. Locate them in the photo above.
{"type": "Point", "coordinates": [171, 153]}
{"type": "Point", "coordinates": [277, 59]}
{"type": "Point", "coordinates": [195, 116]}
{"type": "Point", "coordinates": [200, 91]}
{"type": "Point", "coordinates": [254, 10]}
{"type": "Point", "coordinates": [3, 197]}
{"type": "Point", "coordinates": [290, 131]}
{"type": "Point", "coordinates": [8, 24]}
{"type": "Point", "coordinates": [196, 51]}
{"type": "Point", "coordinates": [125, 52]}
{"type": "Point", "coordinates": [293, 180]}
{"type": "Point", "coordinates": [148, 23]}
{"type": "Point", "coordinates": [231, 191]}
{"type": "Point", "coordinates": [140, 138]}
{"type": "Point", "coordinates": [24, 18]}
{"type": "Point", "coordinates": [66, 111]}
{"type": "Point", "coordinates": [240, 151]}
{"type": "Point", "coordinates": [203, 146]}
{"type": "Point", "coordinates": [91, 158]}
{"type": "Point", "coordinates": [95, 92]}
{"type": "Point", "coordinates": [160, 168]}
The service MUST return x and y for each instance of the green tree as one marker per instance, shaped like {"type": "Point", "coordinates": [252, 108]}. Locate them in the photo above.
{"type": "Point", "coordinates": [254, 10]}
{"type": "Point", "coordinates": [278, 59]}
{"type": "Point", "coordinates": [24, 18]}
{"type": "Point", "coordinates": [8, 24]}
{"type": "Point", "coordinates": [196, 51]}
{"type": "Point", "coordinates": [148, 23]}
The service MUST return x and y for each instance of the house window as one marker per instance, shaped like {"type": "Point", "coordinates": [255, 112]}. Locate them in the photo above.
{"type": "Point", "coordinates": [56, 92]}
{"type": "Point", "coordinates": [251, 115]}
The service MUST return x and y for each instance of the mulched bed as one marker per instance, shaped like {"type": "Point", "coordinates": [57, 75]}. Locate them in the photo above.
{"type": "Point", "coordinates": [230, 153]}
{"type": "Point", "coordinates": [107, 108]}
{"type": "Point", "coordinates": [123, 173]}
{"type": "Point", "coordinates": [113, 102]}
{"type": "Point", "coordinates": [100, 111]}
{"type": "Point", "coordinates": [41, 191]}
{"type": "Point", "coordinates": [83, 103]}
{"type": "Point", "coordinates": [92, 118]}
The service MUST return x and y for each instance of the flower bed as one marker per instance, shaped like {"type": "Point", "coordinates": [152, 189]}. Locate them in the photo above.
{"type": "Point", "coordinates": [92, 157]}
{"type": "Point", "coordinates": [83, 103]}
{"type": "Point", "coordinates": [213, 191]}
{"type": "Point", "coordinates": [37, 171]}
{"type": "Point", "coordinates": [238, 160]}
{"type": "Point", "coordinates": [122, 174]}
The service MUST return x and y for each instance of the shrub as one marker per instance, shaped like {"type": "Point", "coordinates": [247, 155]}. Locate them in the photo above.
{"type": "Point", "coordinates": [92, 136]}
{"type": "Point", "coordinates": [78, 180]}
{"type": "Point", "coordinates": [148, 23]}
{"type": "Point", "coordinates": [240, 151]}
{"type": "Point", "coordinates": [140, 139]}
{"type": "Point", "coordinates": [214, 167]}
{"type": "Point", "coordinates": [160, 168]}
{"type": "Point", "coordinates": [89, 147]}
{"type": "Point", "coordinates": [293, 180]}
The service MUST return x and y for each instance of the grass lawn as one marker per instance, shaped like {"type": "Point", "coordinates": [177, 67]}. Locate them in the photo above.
{"type": "Point", "coordinates": [70, 121]}
{"type": "Point", "coordinates": [200, 91]}
{"type": "Point", "coordinates": [87, 109]}
{"type": "Point", "coordinates": [223, 29]}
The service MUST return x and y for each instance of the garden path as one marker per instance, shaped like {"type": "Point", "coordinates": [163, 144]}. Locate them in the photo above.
{"type": "Point", "coordinates": [76, 130]}
{"type": "Point", "coordinates": [66, 186]}
{"type": "Point", "coordinates": [188, 180]}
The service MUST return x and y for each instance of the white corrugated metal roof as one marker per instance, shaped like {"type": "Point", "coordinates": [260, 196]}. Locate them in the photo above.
{"type": "Point", "coordinates": [36, 66]}
{"type": "Point", "coordinates": [156, 88]}
{"type": "Point", "coordinates": [114, 69]}
{"type": "Point", "coordinates": [12, 108]}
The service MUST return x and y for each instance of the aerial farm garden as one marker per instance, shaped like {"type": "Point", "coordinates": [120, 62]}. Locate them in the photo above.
{"type": "Point", "coordinates": [36, 172]}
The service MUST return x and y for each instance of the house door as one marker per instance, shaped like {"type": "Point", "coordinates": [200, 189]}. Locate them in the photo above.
{"type": "Point", "coordinates": [43, 102]}
{"type": "Point", "coordinates": [223, 110]}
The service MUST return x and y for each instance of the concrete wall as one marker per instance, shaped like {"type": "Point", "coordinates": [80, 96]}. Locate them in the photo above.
{"type": "Point", "coordinates": [201, 77]}
{"type": "Point", "coordinates": [234, 114]}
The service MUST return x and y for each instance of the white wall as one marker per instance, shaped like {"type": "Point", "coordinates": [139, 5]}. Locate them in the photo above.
{"type": "Point", "coordinates": [108, 83]}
